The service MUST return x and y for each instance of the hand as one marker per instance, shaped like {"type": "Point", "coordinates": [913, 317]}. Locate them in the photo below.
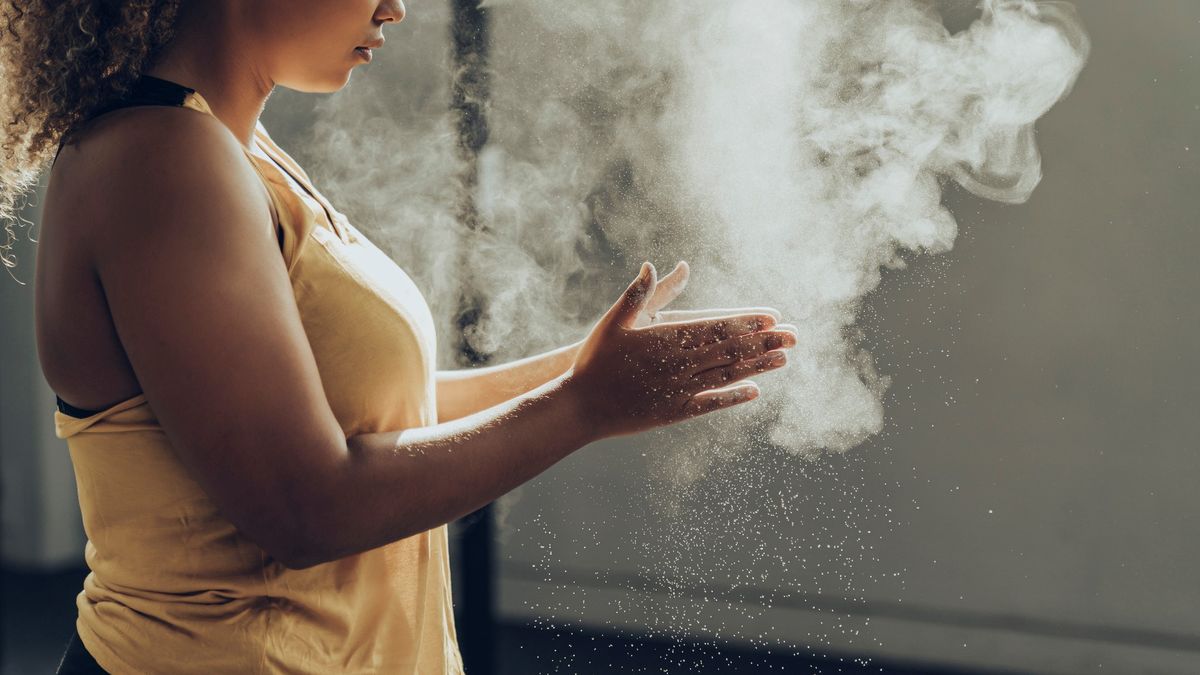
{"type": "Point", "coordinates": [631, 379]}
{"type": "Point", "coordinates": [665, 290]}
{"type": "Point", "coordinates": [669, 287]}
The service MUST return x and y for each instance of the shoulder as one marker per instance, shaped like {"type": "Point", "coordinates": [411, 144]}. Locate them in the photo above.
{"type": "Point", "coordinates": [132, 169]}
{"type": "Point", "coordinates": [121, 142]}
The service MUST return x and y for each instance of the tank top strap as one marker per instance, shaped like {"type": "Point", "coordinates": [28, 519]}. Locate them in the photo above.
{"type": "Point", "coordinates": [190, 98]}
{"type": "Point", "coordinates": [131, 414]}
{"type": "Point", "coordinates": [272, 159]}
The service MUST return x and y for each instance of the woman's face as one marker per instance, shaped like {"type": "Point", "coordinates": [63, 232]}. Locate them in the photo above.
{"type": "Point", "coordinates": [309, 45]}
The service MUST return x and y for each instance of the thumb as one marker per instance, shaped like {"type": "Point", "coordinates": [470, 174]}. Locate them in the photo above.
{"type": "Point", "coordinates": [633, 299]}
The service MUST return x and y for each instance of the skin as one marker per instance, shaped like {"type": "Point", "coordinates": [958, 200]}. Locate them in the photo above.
{"type": "Point", "coordinates": [236, 51]}
{"type": "Point", "coordinates": [126, 301]}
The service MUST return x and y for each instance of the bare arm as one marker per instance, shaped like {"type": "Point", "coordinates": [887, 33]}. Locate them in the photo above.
{"type": "Point", "coordinates": [390, 485]}
{"type": "Point", "coordinates": [463, 392]}
{"type": "Point", "coordinates": [394, 484]}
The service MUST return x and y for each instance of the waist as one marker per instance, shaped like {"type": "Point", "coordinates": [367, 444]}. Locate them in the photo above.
{"type": "Point", "coordinates": [389, 606]}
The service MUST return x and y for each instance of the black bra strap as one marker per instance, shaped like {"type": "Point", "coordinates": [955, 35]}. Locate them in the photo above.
{"type": "Point", "coordinates": [68, 409]}
{"type": "Point", "coordinates": [146, 90]}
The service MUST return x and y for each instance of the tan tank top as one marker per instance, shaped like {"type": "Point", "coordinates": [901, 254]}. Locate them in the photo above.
{"type": "Point", "coordinates": [174, 587]}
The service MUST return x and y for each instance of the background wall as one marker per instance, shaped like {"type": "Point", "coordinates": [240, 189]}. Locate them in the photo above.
{"type": "Point", "coordinates": [40, 524]}
{"type": "Point", "coordinates": [1030, 504]}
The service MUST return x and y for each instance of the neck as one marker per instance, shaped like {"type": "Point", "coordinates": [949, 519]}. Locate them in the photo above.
{"type": "Point", "coordinates": [209, 54]}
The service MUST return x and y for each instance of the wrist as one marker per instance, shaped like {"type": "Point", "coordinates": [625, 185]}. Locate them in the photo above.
{"type": "Point", "coordinates": [566, 358]}
{"type": "Point", "coordinates": [572, 352]}
{"type": "Point", "coordinates": [577, 409]}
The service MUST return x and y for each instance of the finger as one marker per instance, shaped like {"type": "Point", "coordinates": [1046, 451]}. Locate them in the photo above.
{"type": "Point", "coordinates": [625, 310]}
{"type": "Point", "coordinates": [696, 334]}
{"type": "Point", "coordinates": [742, 347]}
{"type": "Point", "coordinates": [723, 376]}
{"type": "Point", "coordinates": [690, 314]}
{"type": "Point", "coordinates": [669, 288]}
{"type": "Point", "coordinates": [710, 401]}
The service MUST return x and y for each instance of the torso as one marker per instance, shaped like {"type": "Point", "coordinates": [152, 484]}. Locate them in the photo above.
{"type": "Point", "coordinates": [78, 346]}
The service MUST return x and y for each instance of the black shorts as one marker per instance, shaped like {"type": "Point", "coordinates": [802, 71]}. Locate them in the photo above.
{"type": "Point", "coordinates": [77, 660]}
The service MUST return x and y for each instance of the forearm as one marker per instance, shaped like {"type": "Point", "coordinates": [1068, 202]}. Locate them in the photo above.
{"type": "Point", "coordinates": [467, 391]}
{"type": "Point", "coordinates": [391, 485]}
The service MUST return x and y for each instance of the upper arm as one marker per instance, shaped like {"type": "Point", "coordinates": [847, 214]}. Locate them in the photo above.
{"type": "Point", "coordinates": [186, 253]}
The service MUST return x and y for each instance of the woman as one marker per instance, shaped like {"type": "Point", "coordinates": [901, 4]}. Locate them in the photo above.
{"type": "Point", "coordinates": [265, 453]}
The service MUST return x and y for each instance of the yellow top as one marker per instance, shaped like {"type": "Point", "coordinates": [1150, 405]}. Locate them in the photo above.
{"type": "Point", "coordinates": [174, 587]}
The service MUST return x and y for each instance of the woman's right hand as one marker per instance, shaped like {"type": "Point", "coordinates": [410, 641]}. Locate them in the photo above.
{"type": "Point", "coordinates": [634, 379]}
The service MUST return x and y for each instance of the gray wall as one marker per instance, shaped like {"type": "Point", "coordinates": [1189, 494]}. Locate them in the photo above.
{"type": "Point", "coordinates": [1030, 504]}
{"type": "Point", "coordinates": [40, 524]}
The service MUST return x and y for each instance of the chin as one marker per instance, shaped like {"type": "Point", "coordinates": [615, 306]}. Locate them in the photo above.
{"type": "Point", "coordinates": [327, 82]}
{"type": "Point", "coordinates": [341, 83]}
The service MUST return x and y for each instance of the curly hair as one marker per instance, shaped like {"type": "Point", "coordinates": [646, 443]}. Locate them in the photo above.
{"type": "Point", "coordinates": [59, 61]}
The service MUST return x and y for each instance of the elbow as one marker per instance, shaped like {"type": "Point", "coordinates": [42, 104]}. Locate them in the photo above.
{"type": "Point", "coordinates": [303, 533]}
{"type": "Point", "coordinates": [300, 561]}
{"type": "Point", "coordinates": [291, 554]}
{"type": "Point", "coordinates": [300, 553]}
{"type": "Point", "coordinates": [292, 542]}
{"type": "Point", "coordinates": [305, 548]}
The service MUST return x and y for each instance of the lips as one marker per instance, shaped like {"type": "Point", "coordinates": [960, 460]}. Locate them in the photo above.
{"type": "Point", "coordinates": [364, 50]}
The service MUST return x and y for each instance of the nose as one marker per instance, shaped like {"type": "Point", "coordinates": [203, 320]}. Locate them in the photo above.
{"type": "Point", "coordinates": [390, 10]}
